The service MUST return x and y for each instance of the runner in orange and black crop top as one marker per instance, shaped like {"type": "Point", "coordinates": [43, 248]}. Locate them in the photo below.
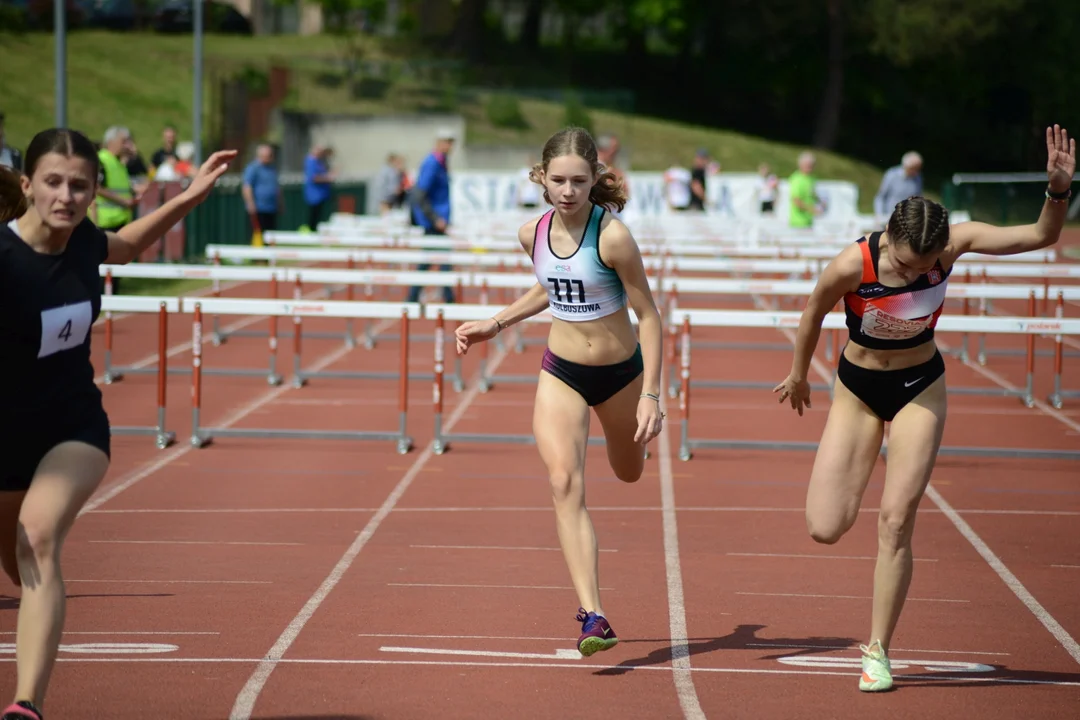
{"type": "Point", "coordinates": [893, 286]}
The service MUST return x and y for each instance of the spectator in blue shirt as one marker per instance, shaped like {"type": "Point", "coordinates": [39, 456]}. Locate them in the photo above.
{"type": "Point", "coordinates": [261, 190]}
{"type": "Point", "coordinates": [318, 183]}
{"type": "Point", "coordinates": [430, 201]}
{"type": "Point", "coordinates": [898, 184]}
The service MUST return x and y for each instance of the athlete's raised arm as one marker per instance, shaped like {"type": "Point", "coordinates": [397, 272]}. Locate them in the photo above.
{"type": "Point", "coordinates": [839, 277]}
{"type": "Point", "coordinates": [130, 241]}
{"type": "Point", "coordinates": [533, 302]}
{"type": "Point", "coordinates": [621, 252]}
{"type": "Point", "coordinates": [977, 237]}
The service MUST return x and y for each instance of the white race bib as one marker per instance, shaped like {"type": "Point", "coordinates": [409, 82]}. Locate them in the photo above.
{"type": "Point", "coordinates": [881, 325]}
{"type": "Point", "coordinates": [64, 328]}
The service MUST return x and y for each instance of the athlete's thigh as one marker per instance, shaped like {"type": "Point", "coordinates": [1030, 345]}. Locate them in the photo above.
{"type": "Point", "coordinates": [65, 479]}
{"type": "Point", "coordinates": [560, 426]}
{"type": "Point", "coordinates": [847, 452]}
{"type": "Point", "coordinates": [618, 417]}
{"type": "Point", "coordinates": [914, 439]}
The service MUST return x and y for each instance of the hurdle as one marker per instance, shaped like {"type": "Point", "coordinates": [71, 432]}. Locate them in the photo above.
{"type": "Point", "coordinates": [441, 440]}
{"type": "Point", "coordinates": [1059, 394]}
{"type": "Point", "coordinates": [202, 435]}
{"type": "Point", "coordinates": [163, 437]}
{"type": "Point", "coordinates": [113, 373]}
{"type": "Point", "coordinates": [1029, 326]}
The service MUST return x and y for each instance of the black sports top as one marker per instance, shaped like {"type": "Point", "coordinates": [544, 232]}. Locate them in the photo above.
{"type": "Point", "coordinates": [48, 304]}
{"type": "Point", "coordinates": [880, 317]}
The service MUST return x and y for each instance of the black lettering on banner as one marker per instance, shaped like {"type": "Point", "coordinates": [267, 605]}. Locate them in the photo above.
{"type": "Point", "coordinates": [65, 332]}
{"type": "Point", "coordinates": [560, 285]}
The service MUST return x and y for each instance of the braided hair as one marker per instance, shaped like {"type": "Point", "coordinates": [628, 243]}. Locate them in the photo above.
{"type": "Point", "coordinates": [921, 224]}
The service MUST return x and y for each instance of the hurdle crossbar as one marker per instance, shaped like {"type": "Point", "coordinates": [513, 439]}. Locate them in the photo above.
{"type": "Point", "coordinates": [1029, 326]}
{"type": "Point", "coordinates": [203, 435]}
{"type": "Point", "coordinates": [163, 437]}
{"type": "Point", "coordinates": [365, 238]}
{"type": "Point", "coordinates": [669, 262]}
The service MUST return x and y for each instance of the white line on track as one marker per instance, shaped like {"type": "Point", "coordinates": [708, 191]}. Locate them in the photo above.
{"type": "Point", "coordinates": [197, 511]}
{"type": "Point", "coordinates": [491, 547]}
{"type": "Point", "coordinates": [167, 457]}
{"type": "Point", "coordinates": [192, 542]}
{"type": "Point", "coordinates": [1067, 641]}
{"type": "Point", "coordinates": [844, 597]}
{"type": "Point", "coordinates": [815, 557]}
{"type": "Point", "coordinates": [680, 647]}
{"type": "Point", "coordinates": [487, 587]}
{"type": "Point", "coordinates": [244, 705]}
{"type": "Point", "coordinates": [794, 646]}
{"type": "Point", "coordinates": [547, 666]}
{"type": "Point", "coordinates": [173, 582]}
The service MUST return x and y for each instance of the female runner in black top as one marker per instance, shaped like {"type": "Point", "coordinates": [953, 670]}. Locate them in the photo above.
{"type": "Point", "coordinates": [53, 426]}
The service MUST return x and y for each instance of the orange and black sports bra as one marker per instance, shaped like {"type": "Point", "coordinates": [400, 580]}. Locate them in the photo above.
{"type": "Point", "coordinates": [880, 317]}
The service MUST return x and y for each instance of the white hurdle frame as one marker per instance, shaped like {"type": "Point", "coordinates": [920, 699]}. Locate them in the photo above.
{"type": "Point", "coordinates": [202, 435]}
{"type": "Point", "coordinates": [163, 437]}
{"type": "Point", "coordinates": [689, 319]}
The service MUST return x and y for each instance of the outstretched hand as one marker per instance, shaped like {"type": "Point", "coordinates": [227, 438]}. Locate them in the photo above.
{"type": "Point", "coordinates": [477, 331]}
{"type": "Point", "coordinates": [214, 167]}
{"type": "Point", "coordinates": [1060, 158]}
{"type": "Point", "coordinates": [795, 391]}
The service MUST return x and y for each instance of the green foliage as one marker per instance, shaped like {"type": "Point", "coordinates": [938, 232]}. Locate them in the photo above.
{"type": "Point", "coordinates": [916, 30]}
{"type": "Point", "coordinates": [504, 111]}
{"type": "Point", "coordinates": [576, 113]}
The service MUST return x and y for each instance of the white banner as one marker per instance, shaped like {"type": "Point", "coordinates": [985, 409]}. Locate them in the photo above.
{"type": "Point", "coordinates": [734, 195]}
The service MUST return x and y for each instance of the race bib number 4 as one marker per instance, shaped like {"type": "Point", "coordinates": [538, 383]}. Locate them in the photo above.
{"type": "Point", "coordinates": [64, 328]}
{"type": "Point", "coordinates": [883, 326]}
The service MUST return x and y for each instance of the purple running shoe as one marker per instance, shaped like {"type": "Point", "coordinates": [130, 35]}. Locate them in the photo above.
{"type": "Point", "coordinates": [596, 634]}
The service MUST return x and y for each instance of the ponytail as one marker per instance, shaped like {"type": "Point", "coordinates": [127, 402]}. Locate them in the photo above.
{"type": "Point", "coordinates": [608, 192]}
{"type": "Point", "coordinates": [12, 201]}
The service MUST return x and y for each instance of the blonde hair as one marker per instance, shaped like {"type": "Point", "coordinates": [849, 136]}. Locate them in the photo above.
{"type": "Point", "coordinates": [13, 202]}
{"type": "Point", "coordinates": [608, 191]}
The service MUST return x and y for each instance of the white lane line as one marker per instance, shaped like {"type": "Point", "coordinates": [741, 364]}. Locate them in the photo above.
{"type": "Point", "coordinates": [458, 637]}
{"type": "Point", "coordinates": [173, 582]}
{"type": "Point", "coordinates": [680, 646]}
{"type": "Point", "coordinates": [131, 632]}
{"type": "Point", "coordinates": [794, 646]}
{"type": "Point", "coordinates": [815, 557]}
{"type": "Point", "coordinates": [170, 456]}
{"type": "Point", "coordinates": [492, 547]}
{"type": "Point", "coordinates": [947, 677]}
{"type": "Point", "coordinates": [191, 542]}
{"type": "Point", "coordinates": [1067, 641]}
{"type": "Point", "coordinates": [559, 654]}
{"type": "Point", "coordinates": [486, 587]}
{"type": "Point", "coordinates": [244, 705]}
{"type": "Point", "coordinates": [925, 511]}
{"type": "Point", "coordinates": [846, 597]}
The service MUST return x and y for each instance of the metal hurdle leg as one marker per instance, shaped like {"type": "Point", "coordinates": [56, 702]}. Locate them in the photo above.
{"type": "Point", "coordinates": [1026, 393]}
{"type": "Point", "coordinates": [1059, 395]}
{"type": "Point", "coordinates": [201, 436]}
{"type": "Point", "coordinates": [162, 438]}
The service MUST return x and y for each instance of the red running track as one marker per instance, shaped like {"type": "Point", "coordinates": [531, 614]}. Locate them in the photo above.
{"type": "Point", "coordinates": [319, 579]}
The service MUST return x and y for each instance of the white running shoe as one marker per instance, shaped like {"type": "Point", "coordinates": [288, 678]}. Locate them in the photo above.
{"type": "Point", "coordinates": [876, 669]}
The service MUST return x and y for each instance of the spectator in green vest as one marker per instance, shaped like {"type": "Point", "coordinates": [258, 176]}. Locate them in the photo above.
{"type": "Point", "coordinates": [116, 199]}
{"type": "Point", "coordinates": [802, 191]}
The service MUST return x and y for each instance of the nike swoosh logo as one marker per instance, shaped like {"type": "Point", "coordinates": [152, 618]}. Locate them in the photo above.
{"type": "Point", "coordinates": [912, 382]}
{"type": "Point", "coordinates": [607, 631]}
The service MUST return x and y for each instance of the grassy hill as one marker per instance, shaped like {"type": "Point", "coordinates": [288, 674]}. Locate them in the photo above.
{"type": "Point", "coordinates": [144, 80]}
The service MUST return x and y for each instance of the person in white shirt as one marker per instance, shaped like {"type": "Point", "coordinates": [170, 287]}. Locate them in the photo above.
{"type": "Point", "coordinates": [677, 187]}
{"type": "Point", "coordinates": [767, 189]}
